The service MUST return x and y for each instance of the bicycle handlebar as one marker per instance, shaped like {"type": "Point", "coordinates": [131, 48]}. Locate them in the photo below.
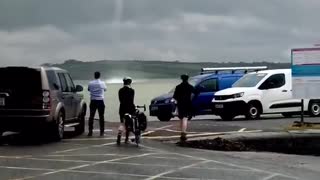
{"type": "Point", "coordinates": [140, 107]}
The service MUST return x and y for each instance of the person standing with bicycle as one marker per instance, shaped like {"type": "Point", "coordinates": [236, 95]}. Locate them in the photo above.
{"type": "Point", "coordinates": [127, 106]}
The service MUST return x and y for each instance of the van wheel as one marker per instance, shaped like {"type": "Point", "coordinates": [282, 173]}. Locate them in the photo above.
{"type": "Point", "coordinates": [80, 128]}
{"type": "Point", "coordinates": [314, 108]}
{"type": "Point", "coordinates": [164, 118]}
{"type": "Point", "coordinates": [58, 127]}
{"type": "Point", "coordinates": [227, 117]}
{"type": "Point", "coordinates": [253, 112]}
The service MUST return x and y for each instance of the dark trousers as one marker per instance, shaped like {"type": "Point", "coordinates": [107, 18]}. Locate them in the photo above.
{"type": "Point", "coordinates": [94, 105]}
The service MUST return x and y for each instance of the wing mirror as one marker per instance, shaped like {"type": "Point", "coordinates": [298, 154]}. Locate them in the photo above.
{"type": "Point", "coordinates": [79, 88]}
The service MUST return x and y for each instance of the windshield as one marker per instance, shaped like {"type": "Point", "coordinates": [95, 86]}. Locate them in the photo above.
{"type": "Point", "coordinates": [249, 80]}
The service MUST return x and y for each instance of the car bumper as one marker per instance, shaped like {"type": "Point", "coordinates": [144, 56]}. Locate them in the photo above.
{"type": "Point", "coordinates": [20, 120]}
{"type": "Point", "coordinates": [161, 109]}
{"type": "Point", "coordinates": [231, 107]}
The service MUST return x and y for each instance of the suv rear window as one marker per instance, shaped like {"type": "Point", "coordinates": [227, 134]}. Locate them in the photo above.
{"type": "Point", "coordinates": [23, 87]}
{"type": "Point", "coordinates": [20, 80]}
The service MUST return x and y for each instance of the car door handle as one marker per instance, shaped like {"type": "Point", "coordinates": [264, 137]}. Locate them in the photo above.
{"type": "Point", "coordinates": [284, 90]}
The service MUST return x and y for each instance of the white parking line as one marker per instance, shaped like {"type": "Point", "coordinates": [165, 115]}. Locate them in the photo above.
{"type": "Point", "coordinates": [76, 155]}
{"type": "Point", "coordinates": [160, 128]}
{"type": "Point", "coordinates": [243, 129]}
{"type": "Point", "coordinates": [81, 148]}
{"type": "Point", "coordinates": [199, 134]}
{"type": "Point", "coordinates": [82, 166]}
{"type": "Point", "coordinates": [271, 176]}
{"type": "Point", "coordinates": [25, 168]}
{"type": "Point", "coordinates": [91, 139]}
{"type": "Point", "coordinates": [255, 169]}
{"type": "Point", "coordinates": [175, 170]}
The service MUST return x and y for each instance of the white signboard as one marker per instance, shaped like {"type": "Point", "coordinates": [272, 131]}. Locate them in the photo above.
{"type": "Point", "coordinates": [305, 73]}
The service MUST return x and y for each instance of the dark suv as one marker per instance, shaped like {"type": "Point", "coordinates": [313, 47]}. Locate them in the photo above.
{"type": "Point", "coordinates": [40, 99]}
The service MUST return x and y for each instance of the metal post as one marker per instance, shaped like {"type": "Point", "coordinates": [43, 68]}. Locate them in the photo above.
{"type": "Point", "coordinates": [302, 111]}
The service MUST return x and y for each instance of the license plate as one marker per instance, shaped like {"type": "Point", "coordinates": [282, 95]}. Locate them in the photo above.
{"type": "Point", "coordinates": [218, 106]}
{"type": "Point", "coordinates": [2, 102]}
{"type": "Point", "coordinates": [155, 108]}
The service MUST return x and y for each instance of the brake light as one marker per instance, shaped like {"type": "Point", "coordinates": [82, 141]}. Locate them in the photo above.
{"type": "Point", "coordinates": [46, 99]}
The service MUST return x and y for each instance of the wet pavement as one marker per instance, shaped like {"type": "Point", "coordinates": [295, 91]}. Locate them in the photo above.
{"type": "Point", "coordinates": [80, 157]}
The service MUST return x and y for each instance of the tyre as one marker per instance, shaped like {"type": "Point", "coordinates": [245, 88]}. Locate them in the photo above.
{"type": "Point", "coordinates": [253, 111]}
{"type": "Point", "coordinates": [164, 117]}
{"type": "Point", "coordinates": [57, 128]}
{"type": "Point", "coordinates": [227, 117]}
{"type": "Point", "coordinates": [314, 108]}
{"type": "Point", "coordinates": [80, 128]}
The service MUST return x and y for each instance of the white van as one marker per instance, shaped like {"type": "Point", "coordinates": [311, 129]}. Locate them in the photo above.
{"type": "Point", "coordinates": [262, 92]}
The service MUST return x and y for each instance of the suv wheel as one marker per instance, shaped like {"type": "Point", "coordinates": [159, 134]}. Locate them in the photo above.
{"type": "Point", "coordinates": [253, 111]}
{"type": "Point", "coordinates": [314, 108]}
{"type": "Point", "coordinates": [80, 128]}
{"type": "Point", "coordinates": [58, 127]}
{"type": "Point", "coordinates": [164, 117]}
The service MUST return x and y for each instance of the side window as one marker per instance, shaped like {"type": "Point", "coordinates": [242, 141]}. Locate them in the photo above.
{"type": "Point", "coordinates": [209, 85]}
{"type": "Point", "coordinates": [226, 82]}
{"type": "Point", "coordinates": [52, 78]}
{"type": "Point", "coordinates": [63, 82]}
{"type": "Point", "coordinates": [274, 81]}
{"type": "Point", "coordinates": [69, 83]}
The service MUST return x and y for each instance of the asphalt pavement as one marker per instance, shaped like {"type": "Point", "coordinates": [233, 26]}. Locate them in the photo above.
{"type": "Point", "coordinates": [81, 157]}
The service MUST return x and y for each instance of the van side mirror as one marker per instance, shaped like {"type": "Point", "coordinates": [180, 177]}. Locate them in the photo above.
{"type": "Point", "coordinates": [79, 88]}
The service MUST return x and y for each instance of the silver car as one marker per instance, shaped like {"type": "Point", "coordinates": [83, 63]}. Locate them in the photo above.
{"type": "Point", "coordinates": [43, 100]}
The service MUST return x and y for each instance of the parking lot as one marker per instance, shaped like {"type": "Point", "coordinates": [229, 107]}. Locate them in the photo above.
{"type": "Point", "coordinates": [97, 157]}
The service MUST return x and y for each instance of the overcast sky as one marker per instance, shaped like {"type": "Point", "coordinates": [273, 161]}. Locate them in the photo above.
{"type": "Point", "coordinates": [38, 31]}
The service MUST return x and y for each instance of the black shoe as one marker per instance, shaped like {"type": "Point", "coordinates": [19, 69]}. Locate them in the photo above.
{"type": "Point", "coordinates": [90, 134]}
{"type": "Point", "coordinates": [101, 133]}
{"type": "Point", "coordinates": [183, 137]}
{"type": "Point", "coordinates": [118, 139]}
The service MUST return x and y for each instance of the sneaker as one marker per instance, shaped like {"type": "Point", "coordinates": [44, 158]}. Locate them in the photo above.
{"type": "Point", "coordinates": [183, 137]}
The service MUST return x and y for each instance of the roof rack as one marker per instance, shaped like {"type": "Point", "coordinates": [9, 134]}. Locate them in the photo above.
{"type": "Point", "coordinates": [232, 69]}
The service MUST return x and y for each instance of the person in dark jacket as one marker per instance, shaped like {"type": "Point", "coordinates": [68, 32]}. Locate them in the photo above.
{"type": "Point", "coordinates": [183, 96]}
{"type": "Point", "coordinates": [126, 98]}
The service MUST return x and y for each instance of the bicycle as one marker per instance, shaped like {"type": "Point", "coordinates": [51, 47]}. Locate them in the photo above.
{"type": "Point", "coordinates": [135, 123]}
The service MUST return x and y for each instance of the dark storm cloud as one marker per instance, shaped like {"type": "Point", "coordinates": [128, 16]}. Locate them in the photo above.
{"type": "Point", "coordinates": [38, 31]}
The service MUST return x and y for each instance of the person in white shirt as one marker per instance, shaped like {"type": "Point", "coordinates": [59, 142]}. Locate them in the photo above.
{"type": "Point", "coordinates": [97, 89]}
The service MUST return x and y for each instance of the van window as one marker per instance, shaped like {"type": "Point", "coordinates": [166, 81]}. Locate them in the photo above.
{"type": "Point", "coordinates": [249, 80]}
{"type": "Point", "coordinates": [274, 81]}
{"type": "Point", "coordinates": [209, 85]}
{"type": "Point", "coordinates": [226, 82]}
{"type": "Point", "coordinates": [63, 82]}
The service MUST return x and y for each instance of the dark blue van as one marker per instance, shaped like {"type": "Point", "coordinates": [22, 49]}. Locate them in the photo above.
{"type": "Point", "coordinates": [210, 81]}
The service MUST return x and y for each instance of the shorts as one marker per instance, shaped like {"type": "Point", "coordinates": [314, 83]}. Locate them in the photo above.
{"type": "Point", "coordinates": [184, 111]}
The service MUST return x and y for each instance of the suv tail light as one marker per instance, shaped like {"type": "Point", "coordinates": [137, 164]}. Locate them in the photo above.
{"type": "Point", "coordinates": [46, 99]}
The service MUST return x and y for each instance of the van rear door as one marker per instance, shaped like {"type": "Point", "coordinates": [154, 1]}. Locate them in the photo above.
{"type": "Point", "coordinates": [20, 88]}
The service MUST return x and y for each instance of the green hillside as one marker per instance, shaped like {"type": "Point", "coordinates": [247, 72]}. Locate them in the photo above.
{"type": "Point", "coordinates": [146, 69]}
